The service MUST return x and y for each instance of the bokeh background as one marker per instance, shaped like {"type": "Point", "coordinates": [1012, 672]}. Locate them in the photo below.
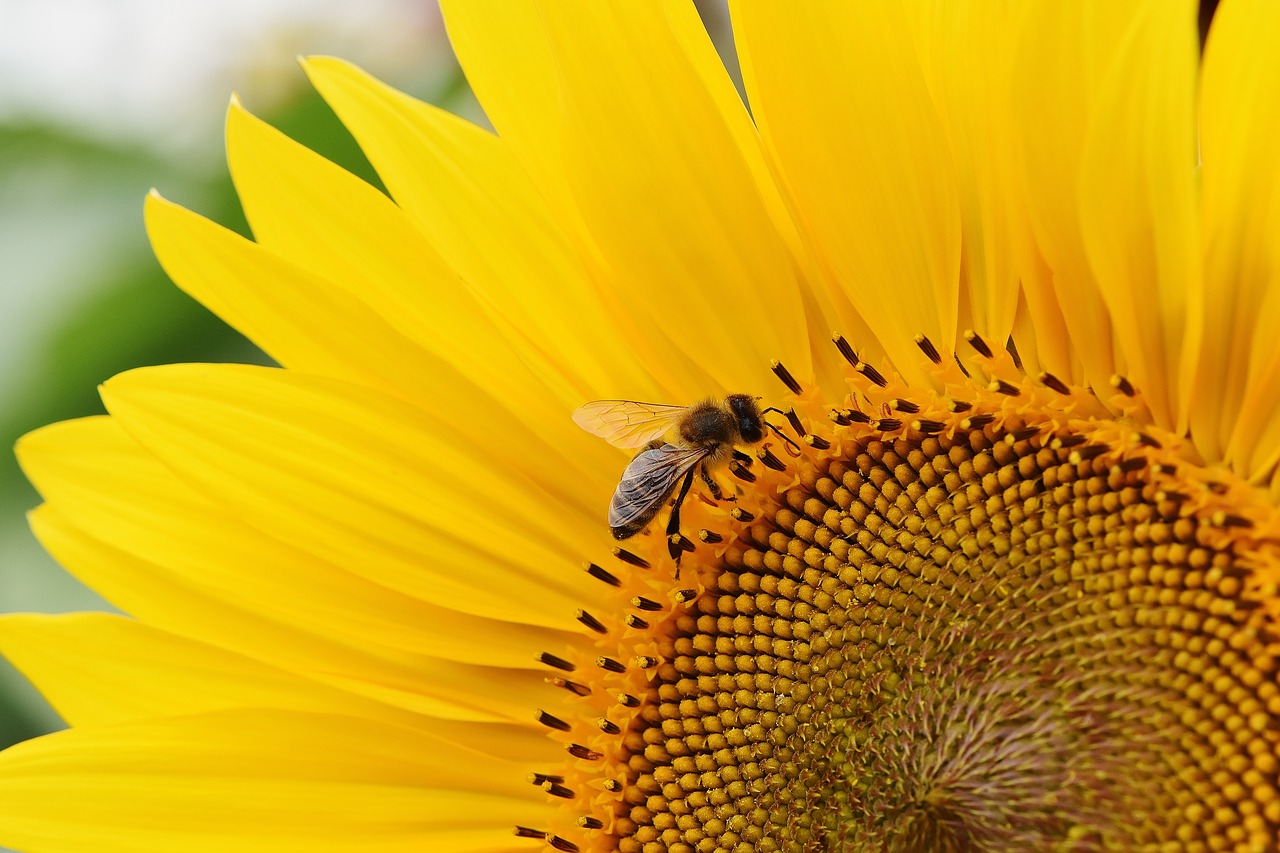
{"type": "Point", "coordinates": [101, 100]}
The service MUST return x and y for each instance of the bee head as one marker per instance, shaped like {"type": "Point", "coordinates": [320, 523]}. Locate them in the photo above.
{"type": "Point", "coordinates": [747, 414]}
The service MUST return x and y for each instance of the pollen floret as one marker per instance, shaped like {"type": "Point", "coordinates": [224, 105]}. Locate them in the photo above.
{"type": "Point", "coordinates": [1002, 620]}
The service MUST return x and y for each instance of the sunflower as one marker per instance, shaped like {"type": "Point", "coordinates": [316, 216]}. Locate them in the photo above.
{"type": "Point", "coordinates": [1000, 574]}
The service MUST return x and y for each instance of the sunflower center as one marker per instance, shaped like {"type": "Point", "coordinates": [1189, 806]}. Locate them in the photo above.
{"type": "Point", "coordinates": [977, 631]}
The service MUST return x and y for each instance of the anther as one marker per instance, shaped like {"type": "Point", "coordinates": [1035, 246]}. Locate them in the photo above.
{"type": "Point", "coordinates": [1124, 386]}
{"type": "Point", "coordinates": [642, 603]}
{"type": "Point", "coordinates": [610, 665]}
{"type": "Point", "coordinates": [817, 442]}
{"type": "Point", "coordinates": [1171, 496]}
{"type": "Point", "coordinates": [978, 421]}
{"type": "Point", "coordinates": [845, 350]}
{"type": "Point", "coordinates": [591, 622]}
{"type": "Point", "coordinates": [900, 405]}
{"type": "Point", "coordinates": [626, 700]}
{"type": "Point", "coordinates": [739, 456]}
{"type": "Point", "coordinates": [630, 559]}
{"type": "Point", "coordinates": [538, 779]}
{"type": "Point", "coordinates": [740, 514]}
{"type": "Point", "coordinates": [684, 596]}
{"type": "Point", "coordinates": [857, 417]}
{"type": "Point", "coordinates": [645, 661]}
{"type": "Point", "coordinates": [710, 537]}
{"type": "Point", "coordinates": [929, 350]}
{"type": "Point", "coordinates": [794, 420]}
{"type": "Point", "coordinates": [975, 340]}
{"type": "Point", "coordinates": [1022, 434]}
{"type": "Point", "coordinates": [737, 470]}
{"type": "Point", "coordinates": [572, 686]}
{"type": "Point", "coordinates": [526, 832]}
{"type": "Point", "coordinates": [887, 424]}
{"type": "Point", "coordinates": [1137, 463]}
{"type": "Point", "coordinates": [677, 544]}
{"type": "Point", "coordinates": [1226, 519]}
{"type": "Point", "coordinates": [1012, 348]}
{"type": "Point", "coordinates": [766, 456]}
{"type": "Point", "coordinates": [928, 427]}
{"type": "Point", "coordinates": [555, 789]}
{"type": "Point", "coordinates": [871, 373]}
{"type": "Point", "coordinates": [611, 785]}
{"type": "Point", "coordinates": [1053, 383]}
{"type": "Point", "coordinates": [561, 843]}
{"type": "Point", "coordinates": [839, 418]}
{"type": "Point", "coordinates": [957, 406]}
{"type": "Point", "coordinates": [784, 375]}
{"type": "Point", "coordinates": [554, 661]}
{"type": "Point", "coordinates": [1149, 441]}
{"type": "Point", "coordinates": [588, 822]}
{"type": "Point", "coordinates": [577, 750]}
{"type": "Point", "coordinates": [550, 721]}
{"type": "Point", "coordinates": [1072, 440]}
{"type": "Point", "coordinates": [608, 726]}
{"type": "Point", "coordinates": [603, 575]}
{"type": "Point", "coordinates": [1008, 389]}
{"type": "Point", "coordinates": [633, 621]}
{"type": "Point", "coordinates": [1084, 454]}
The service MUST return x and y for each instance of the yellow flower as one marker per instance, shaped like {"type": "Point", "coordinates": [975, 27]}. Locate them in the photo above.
{"type": "Point", "coordinates": [1002, 575]}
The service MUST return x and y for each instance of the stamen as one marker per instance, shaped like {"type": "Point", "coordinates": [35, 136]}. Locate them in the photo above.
{"type": "Point", "coordinates": [551, 722]}
{"type": "Point", "coordinates": [766, 456]}
{"type": "Point", "coordinates": [554, 661]}
{"type": "Point", "coordinates": [785, 377]}
{"type": "Point", "coordinates": [642, 603]}
{"type": "Point", "coordinates": [633, 621]}
{"type": "Point", "coordinates": [584, 753]}
{"type": "Point", "coordinates": [555, 789]}
{"type": "Point", "coordinates": [608, 727]}
{"type": "Point", "coordinates": [999, 386]}
{"type": "Point", "coordinates": [901, 405]}
{"type": "Point", "coordinates": [630, 559]}
{"type": "Point", "coordinates": [561, 844]}
{"type": "Point", "coordinates": [588, 822]}
{"type": "Point", "coordinates": [526, 832]}
{"type": "Point", "coordinates": [710, 537]}
{"type": "Point", "coordinates": [610, 665]}
{"type": "Point", "coordinates": [736, 469]}
{"type": "Point", "coordinates": [1124, 386]}
{"type": "Point", "coordinates": [975, 340]}
{"type": "Point", "coordinates": [887, 424]}
{"type": "Point", "coordinates": [930, 351]}
{"type": "Point", "coordinates": [871, 373]}
{"type": "Point", "coordinates": [959, 406]}
{"type": "Point", "coordinates": [1053, 383]}
{"type": "Point", "coordinates": [740, 514]}
{"type": "Point", "coordinates": [590, 621]}
{"type": "Point", "coordinates": [601, 574]}
{"type": "Point", "coordinates": [845, 350]}
{"type": "Point", "coordinates": [817, 442]}
{"type": "Point", "coordinates": [572, 686]}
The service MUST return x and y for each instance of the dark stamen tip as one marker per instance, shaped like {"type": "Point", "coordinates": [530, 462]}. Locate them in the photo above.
{"type": "Point", "coordinates": [554, 661]}
{"type": "Point", "coordinates": [1087, 452]}
{"type": "Point", "coordinates": [608, 726]}
{"type": "Point", "coordinates": [630, 559]}
{"type": "Point", "coordinates": [1226, 519]}
{"type": "Point", "coordinates": [1053, 383]}
{"type": "Point", "coordinates": [887, 424]}
{"type": "Point", "coordinates": [1149, 441]}
{"type": "Point", "coordinates": [957, 406]}
{"type": "Point", "coordinates": [601, 574]}
{"type": "Point", "coordinates": [633, 621]}
{"type": "Point", "coordinates": [645, 662]}
{"type": "Point", "coordinates": [738, 470]}
{"type": "Point", "coordinates": [784, 375]}
{"type": "Point", "coordinates": [577, 750]}
{"type": "Point", "coordinates": [766, 456]}
{"type": "Point", "coordinates": [550, 721]}
{"type": "Point", "coordinates": [1008, 389]}
{"type": "Point", "coordinates": [929, 350]}
{"type": "Point", "coordinates": [1123, 385]}
{"type": "Point", "coordinates": [871, 373]}
{"type": "Point", "coordinates": [590, 621]}
{"type": "Point", "coordinates": [561, 844]}
{"type": "Point", "coordinates": [740, 514]}
{"type": "Point", "coordinates": [975, 340]}
{"type": "Point", "coordinates": [610, 665]}
{"type": "Point", "coordinates": [626, 700]}
{"type": "Point", "coordinates": [845, 350]}
{"type": "Point", "coordinates": [927, 427]}
{"type": "Point", "coordinates": [555, 789]}
{"type": "Point", "coordinates": [538, 779]}
{"type": "Point", "coordinates": [684, 596]}
{"type": "Point", "coordinates": [588, 822]}
{"type": "Point", "coordinates": [572, 686]}
{"type": "Point", "coordinates": [900, 405]}
{"type": "Point", "coordinates": [641, 603]}
{"type": "Point", "coordinates": [978, 421]}
{"type": "Point", "coordinates": [794, 420]}
{"type": "Point", "coordinates": [1022, 434]}
{"type": "Point", "coordinates": [710, 537]}
{"type": "Point", "coordinates": [1137, 463]}
{"type": "Point", "coordinates": [526, 832]}
{"type": "Point", "coordinates": [817, 442]}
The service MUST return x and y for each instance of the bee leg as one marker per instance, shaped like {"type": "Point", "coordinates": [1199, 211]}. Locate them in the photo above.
{"type": "Point", "coordinates": [712, 485]}
{"type": "Point", "coordinates": [674, 546]}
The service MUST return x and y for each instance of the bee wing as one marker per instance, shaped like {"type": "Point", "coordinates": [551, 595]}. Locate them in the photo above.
{"type": "Point", "coordinates": [626, 423]}
{"type": "Point", "coordinates": [648, 481]}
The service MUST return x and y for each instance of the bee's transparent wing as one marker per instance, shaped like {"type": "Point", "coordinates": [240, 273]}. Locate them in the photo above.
{"type": "Point", "coordinates": [626, 423]}
{"type": "Point", "coordinates": [648, 481]}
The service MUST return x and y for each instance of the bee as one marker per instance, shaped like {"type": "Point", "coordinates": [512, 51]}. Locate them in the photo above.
{"type": "Point", "coordinates": [700, 436]}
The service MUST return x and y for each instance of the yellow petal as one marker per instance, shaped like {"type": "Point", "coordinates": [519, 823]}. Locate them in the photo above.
{"type": "Point", "coordinates": [856, 137]}
{"type": "Point", "coordinates": [264, 781]}
{"type": "Point", "coordinates": [1062, 57]}
{"type": "Point", "coordinates": [966, 52]}
{"type": "Point", "coordinates": [167, 600]}
{"type": "Point", "coordinates": [481, 214]}
{"type": "Point", "coordinates": [1138, 204]}
{"type": "Point", "coordinates": [120, 494]}
{"type": "Point", "coordinates": [417, 509]}
{"type": "Point", "coordinates": [1235, 415]}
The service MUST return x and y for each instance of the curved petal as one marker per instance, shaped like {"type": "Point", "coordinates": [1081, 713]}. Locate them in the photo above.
{"type": "Point", "coordinates": [873, 176]}
{"type": "Point", "coordinates": [118, 493]}
{"type": "Point", "coordinates": [1138, 204]}
{"type": "Point", "coordinates": [258, 781]}
{"type": "Point", "coordinates": [166, 600]}
{"type": "Point", "coordinates": [1235, 414]}
{"type": "Point", "coordinates": [418, 509]}
{"type": "Point", "coordinates": [478, 210]}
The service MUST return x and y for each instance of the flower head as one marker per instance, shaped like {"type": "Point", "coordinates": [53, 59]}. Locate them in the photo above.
{"type": "Point", "coordinates": [1000, 573]}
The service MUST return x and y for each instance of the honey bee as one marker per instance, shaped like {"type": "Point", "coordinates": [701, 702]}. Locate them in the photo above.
{"type": "Point", "coordinates": [699, 436]}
